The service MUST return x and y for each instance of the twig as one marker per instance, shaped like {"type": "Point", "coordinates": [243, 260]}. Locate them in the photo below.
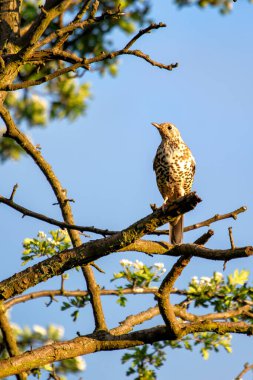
{"type": "Point", "coordinates": [142, 32]}
{"type": "Point", "coordinates": [207, 222]}
{"type": "Point", "coordinates": [82, 293]}
{"type": "Point", "coordinates": [202, 240]}
{"type": "Point", "coordinates": [67, 30]}
{"type": "Point", "coordinates": [15, 187]}
{"type": "Point", "coordinates": [231, 238]}
{"type": "Point", "coordinates": [247, 368]}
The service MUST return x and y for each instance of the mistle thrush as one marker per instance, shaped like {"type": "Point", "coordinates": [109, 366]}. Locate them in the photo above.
{"type": "Point", "coordinates": [174, 166]}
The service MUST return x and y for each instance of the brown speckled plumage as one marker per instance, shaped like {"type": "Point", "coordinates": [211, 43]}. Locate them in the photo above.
{"type": "Point", "coordinates": [174, 166]}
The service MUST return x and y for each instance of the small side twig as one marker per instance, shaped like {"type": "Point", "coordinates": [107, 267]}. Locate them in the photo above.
{"type": "Point", "coordinates": [15, 187]}
{"type": "Point", "coordinates": [230, 232]}
{"type": "Point", "coordinates": [207, 222]}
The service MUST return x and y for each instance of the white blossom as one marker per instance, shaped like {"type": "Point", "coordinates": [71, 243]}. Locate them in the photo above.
{"type": "Point", "coordinates": [60, 330]}
{"type": "Point", "coordinates": [204, 279]}
{"type": "Point", "coordinates": [159, 266]}
{"type": "Point", "coordinates": [195, 279]}
{"type": "Point", "coordinates": [80, 363]}
{"type": "Point", "coordinates": [17, 329]}
{"type": "Point", "coordinates": [218, 274]}
{"type": "Point", "coordinates": [138, 264]}
{"type": "Point", "coordinates": [42, 235]}
{"type": "Point", "coordinates": [40, 330]}
{"type": "Point", "coordinates": [125, 262]}
{"type": "Point", "coordinates": [37, 99]}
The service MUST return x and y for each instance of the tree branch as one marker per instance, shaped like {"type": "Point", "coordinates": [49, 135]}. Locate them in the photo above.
{"type": "Point", "coordinates": [94, 250]}
{"type": "Point", "coordinates": [85, 64]}
{"type": "Point", "coordinates": [107, 342]}
{"type": "Point", "coordinates": [45, 78]}
{"type": "Point", "coordinates": [163, 248]}
{"type": "Point", "coordinates": [26, 212]}
{"type": "Point", "coordinates": [163, 297]}
{"type": "Point", "coordinates": [82, 293]}
{"type": "Point", "coordinates": [134, 320]}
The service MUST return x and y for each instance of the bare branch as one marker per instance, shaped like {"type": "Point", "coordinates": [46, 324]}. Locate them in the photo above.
{"type": "Point", "coordinates": [142, 32]}
{"type": "Point", "coordinates": [207, 222]}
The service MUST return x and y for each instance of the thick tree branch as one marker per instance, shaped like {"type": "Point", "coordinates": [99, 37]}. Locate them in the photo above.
{"type": "Point", "coordinates": [107, 342]}
{"type": "Point", "coordinates": [218, 327]}
{"type": "Point", "coordinates": [94, 250]}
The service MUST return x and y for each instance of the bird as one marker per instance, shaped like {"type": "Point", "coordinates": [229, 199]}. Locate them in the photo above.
{"type": "Point", "coordinates": [174, 166]}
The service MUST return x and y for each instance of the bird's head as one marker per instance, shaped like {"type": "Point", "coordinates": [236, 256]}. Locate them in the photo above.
{"type": "Point", "coordinates": [168, 131]}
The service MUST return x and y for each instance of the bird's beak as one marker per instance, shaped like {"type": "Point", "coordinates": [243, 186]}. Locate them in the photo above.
{"type": "Point", "coordinates": [156, 125]}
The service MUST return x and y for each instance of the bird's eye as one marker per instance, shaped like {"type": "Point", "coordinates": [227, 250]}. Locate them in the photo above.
{"type": "Point", "coordinates": [169, 127]}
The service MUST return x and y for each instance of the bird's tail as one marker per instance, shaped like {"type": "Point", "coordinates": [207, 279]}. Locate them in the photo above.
{"type": "Point", "coordinates": [176, 230]}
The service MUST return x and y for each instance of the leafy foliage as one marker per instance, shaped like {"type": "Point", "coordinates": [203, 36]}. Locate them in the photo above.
{"type": "Point", "coordinates": [77, 302]}
{"type": "Point", "coordinates": [139, 275]}
{"type": "Point", "coordinates": [43, 245]}
{"type": "Point", "coordinates": [222, 294]}
{"type": "Point", "coordinates": [147, 359]}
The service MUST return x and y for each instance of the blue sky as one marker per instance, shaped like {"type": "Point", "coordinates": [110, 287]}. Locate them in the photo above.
{"type": "Point", "coordinates": [105, 161]}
